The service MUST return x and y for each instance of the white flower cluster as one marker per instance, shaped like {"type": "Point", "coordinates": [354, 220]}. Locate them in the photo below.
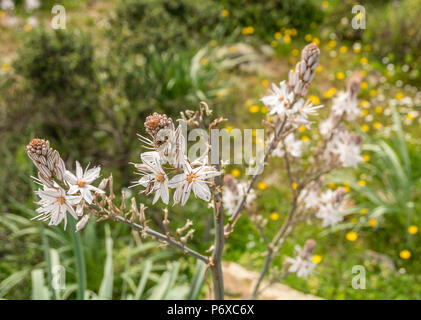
{"type": "Point", "coordinates": [292, 146]}
{"type": "Point", "coordinates": [169, 155]}
{"type": "Point", "coordinates": [329, 206]}
{"type": "Point", "coordinates": [282, 102]}
{"type": "Point", "coordinates": [302, 264]}
{"type": "Point", "coordinates": [62, 191]}
{"type": "Point", "coordinates": [234, 192]}
{"type": "Point", "coordinates": [345, 147]}
{"type": "Point", "coordinates": [30, 5]}
{"type": "Point", "coordinates": [286, 103]}
{"type": "Point", "coordinates": [342, 145]}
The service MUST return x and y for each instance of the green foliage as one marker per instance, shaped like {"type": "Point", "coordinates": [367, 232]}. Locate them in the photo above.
{"type": "Point", "coordinates": [57, 63]}
{"type": "Point", "coordinates": [268, 17]}
{"type": "Point", "coordinates": [394, 31]}
{"type": "Point", "coordinates": [161, 26]}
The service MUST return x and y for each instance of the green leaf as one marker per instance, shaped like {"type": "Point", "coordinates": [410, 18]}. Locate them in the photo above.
{"type": "Point", "coordinates": [106, 289]}
{"type": "Point", "coordinates": [143, 280]}
{"type": "Point", "coordinates": [39, 290]}
{"type": "Point", "coordinates": [197, 281]}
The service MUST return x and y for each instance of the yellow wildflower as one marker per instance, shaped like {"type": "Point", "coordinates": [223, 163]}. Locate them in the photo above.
{"type": "Point", "coordinates": [343, 49]}
{"type": "Point", "coordinates": [405, 254]}
{"type": "Point", "coordinates": [365, 127]}
{"type": "Point", "coordinates": [363, 211]}
{"type": "Point", "coordinates": [262, 186]}
{"type": "Point", "coordinates": [372, 222]}
{"type": "Point", "coordinates": [254, 109]}
{"type": "Point", "coordinates": [316, 259]}
{"type": "Point", "coordinates": [351, 236]}
{"type": "Point", "coordinates": [399, 95]}
{"type": "Point", "coordinates": [340, 75]}
{"type": "Point", "coordinates": [235, 173]}
{"type": "Point", "coordinates": [412, 229]}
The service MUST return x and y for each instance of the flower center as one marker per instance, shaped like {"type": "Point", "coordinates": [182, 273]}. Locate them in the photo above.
{"type": "Point", "coordinates": [61, 200]}
{"type": "Point", "coordinates": [191, 177]}
{"type": "Point", "coordinates": [281, 98]}
{"type": "Point", "coordinates": [160, 177]}
{"type": "Point", "coordinates": [81, 183]}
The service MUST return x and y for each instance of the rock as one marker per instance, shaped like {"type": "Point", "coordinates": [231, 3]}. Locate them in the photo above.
{"type": "Point", "coordinates": [239, 282]}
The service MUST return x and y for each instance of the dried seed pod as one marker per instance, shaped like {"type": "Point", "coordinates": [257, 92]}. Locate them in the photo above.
{"type": "Point", "coordinates": [156, 122]}
{"type": "Point", "coordinates": [47, 160]}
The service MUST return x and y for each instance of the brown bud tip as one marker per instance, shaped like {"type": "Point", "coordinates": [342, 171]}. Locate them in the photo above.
{"type": "Point", "coordinates": [340, 194]}
{"type": "Point", "coordinates": [156, 122]}
{"type": "Point", "coordinates": [309, 247]}
{"type": "Point", "coordinates": [38, 146]}
{"type": "Point", "coordinates": [310, 50]}
{"type": "Point", "coordinates": [231, 183]}
{"type": "Point", "coordinates": [353, 85]}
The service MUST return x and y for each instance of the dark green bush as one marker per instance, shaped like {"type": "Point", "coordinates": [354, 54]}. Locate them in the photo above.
{"type": "Point", "coordinates": [56, 75]}
{"type": "Point", "coordinates": [57, 63]}
{"type": "Point", "coordinates": [268, 17]}
{"type": "Point", "coordinates": [161, 24]}
{"type": "Point", "coordinates": [395, 30]}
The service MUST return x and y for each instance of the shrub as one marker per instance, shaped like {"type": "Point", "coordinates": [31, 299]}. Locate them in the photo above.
{"type": "Point", "coordinates": [393, 32]}
{"type": "Point", "coordinates": [56, 75]}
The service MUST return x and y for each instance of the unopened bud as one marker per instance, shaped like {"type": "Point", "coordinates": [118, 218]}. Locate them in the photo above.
{"type": "Point", "coordinates": [156, 122]}
{"type": "Point", "coordinates": [309, 248]}
{"type": "Point", "coordinates": [82, 222]}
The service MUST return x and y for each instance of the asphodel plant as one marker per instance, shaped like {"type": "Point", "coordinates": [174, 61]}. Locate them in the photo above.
{"type": "Point", "coordinates": [167, 166]}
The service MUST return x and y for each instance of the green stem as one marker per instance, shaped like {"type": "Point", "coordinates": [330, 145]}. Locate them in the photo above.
{"type": "Point", "coordinates": [46, 247]}
{"type": "Point", "coordinates": [80, 259]}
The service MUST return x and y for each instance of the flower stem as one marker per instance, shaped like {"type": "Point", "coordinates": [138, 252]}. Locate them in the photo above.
{"type": "Point", "coordinates": [219, 242]}
{"type": "Point", "coordinates": [80, 260]}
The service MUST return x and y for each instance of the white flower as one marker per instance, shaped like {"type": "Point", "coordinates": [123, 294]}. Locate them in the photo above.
{"type": "Point", "coordinates": [231, 199]}
{"type": "Point", "coordinates": [54, 205]}
{"type": "Point", "coordinates": [347, 147]}
{"type": "Point", "coordinates": [330, 214]}
{"type": "Point", "coordinates": [154, 178]}
{"type": "Point", "coordinates": [301, 265]}
{"type": "Point", "coordinates": [331, 208]}
{"type": "Point", "coordinates": [278, 151]}
{"type": "Point", "coordinates": [7, 5]}
{"type": "Point", "coordinates": [32, 5]}
{"type": "Point", "coordinates": [82, 222]}
{"type": "Point", "coordinates": [327, 126]}
{"type": "Point", "coordinates": [279, 99]}
{"type": "Point", "coordinates": [310, 198]}
{"type": "Point", "coordinates": [344, 104]}
{"type": "Point", "coordinates": [81, 182]}
{"type": "Point", "coordinates": [293, 147]}
{"type": "Point", "coordinates": [170, 144]}
{"type": "Point", "coordinates": [303, 109]}
{"type": "Point", "coordinates": [192, 178]}
{"type": "Point", "coordinates": [32, 21]}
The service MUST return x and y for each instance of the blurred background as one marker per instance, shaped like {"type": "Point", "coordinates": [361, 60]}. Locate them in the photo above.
{"type": "Point", "coordinates": [87, 88]}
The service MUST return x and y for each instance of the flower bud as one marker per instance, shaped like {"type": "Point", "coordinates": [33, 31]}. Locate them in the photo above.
{"type": "Point", "coordinates": [82, 222]}
{"type": "Point", "coordinates": [156, 122]}
{"type": "Point", "coordinates": [309, 248]}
